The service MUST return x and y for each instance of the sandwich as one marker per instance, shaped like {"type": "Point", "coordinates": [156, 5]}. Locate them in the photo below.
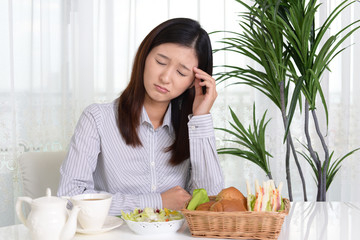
{"type": "Point", "coordinates": [267, 197]}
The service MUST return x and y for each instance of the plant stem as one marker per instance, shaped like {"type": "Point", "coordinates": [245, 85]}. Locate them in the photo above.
{"type": "Point", "coordinates": [298, 165]}
{"type": "Point", "coordinates": [312, 152]}
{"type": "Point", "coordinates": [289, 143]}
{"type": "Point", "coordinates": [326, 151]}
{"type": "Point", "coordinates": [287, 156]}
{"type": "Point", "coordinates": [287, 165]}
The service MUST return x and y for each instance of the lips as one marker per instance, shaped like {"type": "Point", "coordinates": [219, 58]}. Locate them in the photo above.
{"type": "Point", "coordinates": [161, 89]}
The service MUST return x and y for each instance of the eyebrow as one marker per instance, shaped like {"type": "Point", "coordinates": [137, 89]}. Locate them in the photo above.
{"type": "Point", "coordinates": [167, 58]}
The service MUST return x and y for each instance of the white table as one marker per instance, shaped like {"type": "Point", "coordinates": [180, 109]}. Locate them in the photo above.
{"type": "Point", "coordinates": [310, 221]}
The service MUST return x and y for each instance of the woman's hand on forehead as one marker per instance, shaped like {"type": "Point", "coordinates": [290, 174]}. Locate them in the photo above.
{"type": "Point", "coordinates": [203, 102]}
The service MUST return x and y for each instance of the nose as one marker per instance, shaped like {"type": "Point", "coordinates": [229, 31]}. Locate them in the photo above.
{"type": "Point", "coordinates": [165, 75]}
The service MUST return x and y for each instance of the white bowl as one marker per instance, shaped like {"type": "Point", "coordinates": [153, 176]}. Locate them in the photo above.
{"type": "Point", "coordinates": [143, 228]}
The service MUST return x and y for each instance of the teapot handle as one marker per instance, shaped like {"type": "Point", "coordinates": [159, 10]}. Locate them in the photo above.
{"type": "Point", "coordinates": [19, 210]}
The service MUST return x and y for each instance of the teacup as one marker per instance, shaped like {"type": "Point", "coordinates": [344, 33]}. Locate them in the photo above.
{"type": "Point", "coordinates": [94, 209]}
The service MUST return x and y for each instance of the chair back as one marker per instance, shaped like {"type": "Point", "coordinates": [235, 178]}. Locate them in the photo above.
{"type": "Point", "coordinates": [40, 170]}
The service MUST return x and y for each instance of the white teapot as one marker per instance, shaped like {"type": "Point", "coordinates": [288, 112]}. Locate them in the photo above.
{"type": "Point", "coordinates": [48, 218]}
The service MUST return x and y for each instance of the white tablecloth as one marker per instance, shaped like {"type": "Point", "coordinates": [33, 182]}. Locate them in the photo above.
{"type": "Point", "coordinates": [309, 220]}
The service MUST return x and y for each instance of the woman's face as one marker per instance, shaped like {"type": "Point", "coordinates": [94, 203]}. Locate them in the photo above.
{"type": "Point", "coordinates": [168, 72]}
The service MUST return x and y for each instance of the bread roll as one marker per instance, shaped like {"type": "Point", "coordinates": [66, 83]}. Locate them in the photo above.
{"type": "Point", "coordinates": [205, 206]}
{"type": "Point", "coordinates": [230, 193]}
{"type": "Point", "coordinates": [230, 199]}
{"type": "Point", "coordinates": [225, 205]}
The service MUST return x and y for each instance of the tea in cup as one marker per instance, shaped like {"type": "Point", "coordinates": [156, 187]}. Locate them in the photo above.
{"type": "Point", "coordinates": [94, 209]}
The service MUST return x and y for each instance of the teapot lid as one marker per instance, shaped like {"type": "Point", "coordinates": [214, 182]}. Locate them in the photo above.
{"type": "Point", "coordinates": [49, 200]}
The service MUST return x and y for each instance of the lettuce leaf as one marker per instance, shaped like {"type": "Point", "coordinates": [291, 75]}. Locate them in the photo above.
{"type": "Point", "coordinates": [252, 199]}
{"type": "Point", "coordinates": [268, 207]}
{"type": "Point", "coordinates": [199, 196]}
{"type": "Point", "coordinates": [282, 207]}
{"type": "Point", "coordinates": [152, 215]}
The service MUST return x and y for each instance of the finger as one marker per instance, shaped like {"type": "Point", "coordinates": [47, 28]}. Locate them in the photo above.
{"type": "Point", "coordinates": [202, 74]}
{"type": "Point", "coordinates": [198, 70]}
{"type": "Point", "coordinates": [209, 84]}
{"type": "Point", "coordinates": [206, 78]}
{"type": "Point", "coordinates": [198, 87]}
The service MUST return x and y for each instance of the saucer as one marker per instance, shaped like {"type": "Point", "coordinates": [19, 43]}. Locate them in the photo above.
{"type": "Point", "coordinates": [111, 222]}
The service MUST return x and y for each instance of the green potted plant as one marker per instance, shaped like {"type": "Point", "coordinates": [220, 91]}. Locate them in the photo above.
{"type": "Point", "coordinates": [281, 36]}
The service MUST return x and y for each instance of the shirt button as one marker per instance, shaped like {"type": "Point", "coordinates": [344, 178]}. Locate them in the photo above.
{"type": "Point", "coordinates": [152, 163]}
{"type": "Point", "coordinates": [193, 127]}
{"type": "Point", "coordinates": [153, 187]}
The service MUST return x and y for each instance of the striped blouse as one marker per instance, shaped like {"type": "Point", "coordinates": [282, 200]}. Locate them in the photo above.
{"type": "Point", "coordinates": [100, 161]}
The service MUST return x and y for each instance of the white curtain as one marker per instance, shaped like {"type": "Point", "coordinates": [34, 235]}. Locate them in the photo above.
{"type": "Point", "coordinates": [57, 57]}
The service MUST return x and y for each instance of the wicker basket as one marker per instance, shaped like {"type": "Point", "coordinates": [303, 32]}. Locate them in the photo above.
{"type": "Point", "coordinates": [240, 225]}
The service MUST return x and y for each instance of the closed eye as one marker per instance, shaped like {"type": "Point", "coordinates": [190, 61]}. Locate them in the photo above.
{"type": "Point", "coordinates": [161, 63]}
{"type": "Point", "coordinates": [183, 75]}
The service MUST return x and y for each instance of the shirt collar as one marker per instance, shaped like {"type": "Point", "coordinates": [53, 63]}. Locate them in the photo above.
{"type": "Point", "coordinates": [144, 118]}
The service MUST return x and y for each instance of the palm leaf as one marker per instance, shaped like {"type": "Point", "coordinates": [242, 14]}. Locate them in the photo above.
{"type": "Point", "coordinates": [250, 141]}
{"type": "Point", "coordinates": [332, 168]}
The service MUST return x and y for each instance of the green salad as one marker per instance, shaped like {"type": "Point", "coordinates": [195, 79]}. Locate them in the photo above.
{"type": "Point", "coordinates": [152, 215]}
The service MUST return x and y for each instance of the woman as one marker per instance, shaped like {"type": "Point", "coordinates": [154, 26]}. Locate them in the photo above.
{"type": "Point", "coordinates": [155, 144]}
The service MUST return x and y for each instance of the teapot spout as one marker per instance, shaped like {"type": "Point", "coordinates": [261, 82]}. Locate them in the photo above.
{"type": "Point", "coordinates": [69, 228]}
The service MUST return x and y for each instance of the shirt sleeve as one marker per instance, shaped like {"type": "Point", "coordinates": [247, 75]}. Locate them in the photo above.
{"type": "Point", "coordinates": [206, 171]}
{"type": "Point", "coordinates": [78, 168]}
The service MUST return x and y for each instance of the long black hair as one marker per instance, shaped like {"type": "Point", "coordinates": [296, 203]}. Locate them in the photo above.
{"type": "Point", "coordinates": [182, 31]}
